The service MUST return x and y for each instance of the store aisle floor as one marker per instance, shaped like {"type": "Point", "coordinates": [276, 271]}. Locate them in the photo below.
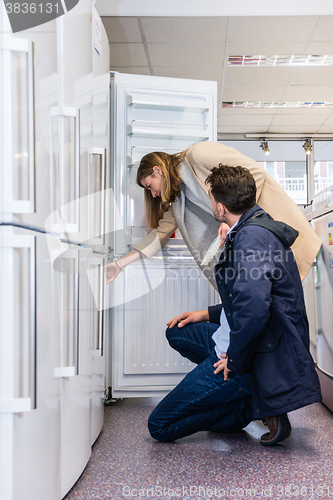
{"type": "Point", "coordinates": [127, 463]}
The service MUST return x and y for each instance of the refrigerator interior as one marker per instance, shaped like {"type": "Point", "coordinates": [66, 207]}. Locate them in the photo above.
{"type": "Point", "coordinates": [152, 114]}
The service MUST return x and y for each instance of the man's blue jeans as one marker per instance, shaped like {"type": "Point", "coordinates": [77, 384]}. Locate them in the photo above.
{"type": "Point", "coordinates": [202, 401]}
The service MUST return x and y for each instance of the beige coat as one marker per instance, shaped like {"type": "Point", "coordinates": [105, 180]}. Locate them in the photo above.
{"type": "Point", "coordinates": [200, 159]}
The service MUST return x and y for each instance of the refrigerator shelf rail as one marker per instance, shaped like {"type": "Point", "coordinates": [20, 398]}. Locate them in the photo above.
{"type": "Point", "coordinates": [169, 103]}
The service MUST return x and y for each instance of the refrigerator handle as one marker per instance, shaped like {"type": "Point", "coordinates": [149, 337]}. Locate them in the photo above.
{"type": "Point", "coordinates": [73, 370]}
{"type": "Point", "coordinates": [9, 403]}
{"type": "Point", "coordinates": [76, 321]}
{"type": "Point", "coordinates": [101, 313]}
{"type": "Point", "coordinates": [61, 222]}
{"type": "Point", "coordinates": [17, 124]}
{"type": "Point", "coordinates": [97, 196]}
{"type": "Point", "coordinates": [100, 310]}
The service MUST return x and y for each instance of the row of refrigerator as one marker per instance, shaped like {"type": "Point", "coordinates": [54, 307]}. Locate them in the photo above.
{"type": "Point", "coordinates": [71, 139]}
{"type": "Point", "coordinates": [54, 139]}
{"type": "Point", "coordinates": [318, 291]}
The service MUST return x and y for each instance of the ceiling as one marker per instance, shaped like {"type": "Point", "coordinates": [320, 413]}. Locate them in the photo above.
{"type": "Point", "coordinates": [198, 48]}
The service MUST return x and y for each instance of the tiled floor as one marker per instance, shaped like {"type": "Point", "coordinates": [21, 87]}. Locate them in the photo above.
{"type": "Point", "coordinates": [127, 463]}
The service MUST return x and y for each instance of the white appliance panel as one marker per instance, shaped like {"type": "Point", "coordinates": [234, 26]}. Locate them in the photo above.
{"type": "Point", "coordinates": [29, 394]}
{"type": "Point", "coordinates": [71, 319]}
{"type": "Point", "coordinates": [149, 364]}
{"type": "Point", "coordinates": [99, 182]}
{"type": "Point", "coordinates": [33, 89]}
{"type": "Point", "coordinates": [184, 288]}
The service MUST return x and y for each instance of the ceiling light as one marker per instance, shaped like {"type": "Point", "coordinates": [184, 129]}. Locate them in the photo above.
{"type": "Point", "coordinates": [307, 146]}
{"type": "Point", "coordinates": [276, 104]}
{"type": "Point", "coordinates": [281, 60]}
{"type": "Point", "coordinates": [264, 146]}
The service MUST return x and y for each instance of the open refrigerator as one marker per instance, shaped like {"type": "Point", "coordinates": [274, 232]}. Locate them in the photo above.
{"type": "Point", "coordinates": [151, 114]}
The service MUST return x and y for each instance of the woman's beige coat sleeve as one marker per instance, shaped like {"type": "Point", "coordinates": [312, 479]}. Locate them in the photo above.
{"type": "Point", "coordinates": [157, 238]}
{"type": "Point", "coordinates": [204, 156]}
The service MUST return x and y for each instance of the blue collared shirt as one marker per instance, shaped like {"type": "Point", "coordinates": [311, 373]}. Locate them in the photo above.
{"type": "Point", "coordinates": [221, 336]}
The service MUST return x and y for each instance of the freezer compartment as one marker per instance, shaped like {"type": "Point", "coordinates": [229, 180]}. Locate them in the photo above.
{"type": "Point", "coordinates": [30, 412]}
{"type": "Point", "coordinates": [30, 89]}
{"type": "Point", "coordinates": [72, 321]}
{"type": "Point", "coordinates": [146, 297]}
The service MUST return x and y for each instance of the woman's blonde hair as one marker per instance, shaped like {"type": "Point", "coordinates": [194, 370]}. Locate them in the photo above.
{"type": "Point", "coordinates": [169, 165]}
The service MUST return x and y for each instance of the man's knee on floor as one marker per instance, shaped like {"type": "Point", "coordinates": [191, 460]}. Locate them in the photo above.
{"type": "Point", "coordinates": [156, 431]}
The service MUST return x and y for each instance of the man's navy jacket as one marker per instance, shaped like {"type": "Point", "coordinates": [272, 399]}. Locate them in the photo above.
{"type": "Point", "coordinates": [261, 291]}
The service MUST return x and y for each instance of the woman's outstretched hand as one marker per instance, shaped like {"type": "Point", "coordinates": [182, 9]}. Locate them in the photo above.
{"type": "Point", "coordinates": [223, 229]}
{"type": "Point", "coordinates": [111, 271]}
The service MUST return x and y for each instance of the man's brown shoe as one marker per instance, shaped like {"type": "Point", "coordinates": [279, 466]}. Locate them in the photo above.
{"type": "Point", "coordinates": [279, 429]}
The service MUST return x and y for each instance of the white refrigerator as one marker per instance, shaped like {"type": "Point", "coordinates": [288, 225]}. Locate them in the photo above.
{"type": "Point", "coordinates": [151, 114]}
{"type": "Point", "coordinates": [54, 138]}
{"type": "Point", "coordinates": [318, 289]}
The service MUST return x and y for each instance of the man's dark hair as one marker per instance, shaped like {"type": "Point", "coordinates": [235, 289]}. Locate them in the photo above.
{"type": "Point", "coordinates": [234, 187]}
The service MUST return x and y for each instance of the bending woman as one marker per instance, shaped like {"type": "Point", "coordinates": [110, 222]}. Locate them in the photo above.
{"type": "Point", "coordinates": [176, 196]}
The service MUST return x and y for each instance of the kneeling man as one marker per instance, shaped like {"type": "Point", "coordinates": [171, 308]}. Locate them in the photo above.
{"type": "Point", "coordinates": [259, 367]}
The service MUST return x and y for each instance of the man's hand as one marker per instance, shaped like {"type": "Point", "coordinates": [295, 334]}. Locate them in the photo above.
{"type": "Point", "coordinates": [223, 229]}
{"type": "Point", "coordinates": [222, 365]}
{"type": "Point", "coordinates": [189, 317]}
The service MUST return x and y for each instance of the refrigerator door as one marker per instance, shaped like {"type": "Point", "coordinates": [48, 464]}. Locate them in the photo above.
{"type": "Point", "coordinates": [30, 417]}
{"type": "Point", "coordinates": [151, 114]}
{"type": "Point", "coordinates": [95, 324]}
{"type": "Point", "coordinates": [99, 194]}
{"type": "Point", "coordinates": [324, 293]}
{"type": "Point", "coordinates": [71, 320]}
{"type": "Point", "coordinates": [71, 125]}
{"type": "Point", "coordinates": [30, 89]}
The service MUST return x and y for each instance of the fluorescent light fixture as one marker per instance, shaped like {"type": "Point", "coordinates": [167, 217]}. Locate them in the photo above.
{"type": "Point", "coordinates": [284, 60]}
{"type": "Point", "coordinates": [264, 146]}
{"type": "Point", "coordinates": [276, 104]}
